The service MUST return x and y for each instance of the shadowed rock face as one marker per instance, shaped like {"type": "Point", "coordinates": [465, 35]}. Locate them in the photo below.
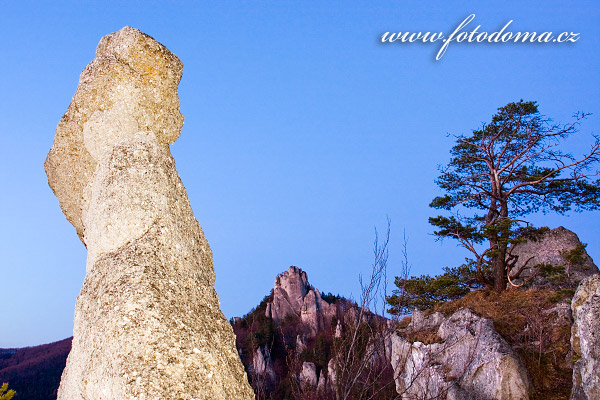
{"type": "Point", "coordinates": [147, 320]}
{"type": "Point", "coordinates": [262, 366]}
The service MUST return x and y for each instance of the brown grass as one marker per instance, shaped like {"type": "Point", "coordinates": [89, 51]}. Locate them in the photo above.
{"type": "Point", "coordinates": [427, 336]}
{"type": "Point", "coordinates": [403, 323]}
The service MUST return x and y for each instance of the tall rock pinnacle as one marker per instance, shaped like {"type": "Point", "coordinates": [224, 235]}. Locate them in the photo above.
{"type": "Point", "coordinates": [293, 295]}
{"type": "Point", "coordinates": [147, 320]}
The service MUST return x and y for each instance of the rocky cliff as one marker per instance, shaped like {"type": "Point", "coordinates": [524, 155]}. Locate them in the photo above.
{"type": "Point", "coordinates": [147, 320]}
{"type": "Point", "coordinates": [285, 343]}
{"type": "Point", "coordinates": [512, 345]}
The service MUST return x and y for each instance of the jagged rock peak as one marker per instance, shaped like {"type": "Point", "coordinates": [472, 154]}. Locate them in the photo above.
{"type": "Point", "coordinates": [294, 283]}
{"type": "Point", "coordinates": [147, 321]}
{"type": "Point", "coordinates": [293, 295]}
{"type": "Point", "coordinates": [291, 286]}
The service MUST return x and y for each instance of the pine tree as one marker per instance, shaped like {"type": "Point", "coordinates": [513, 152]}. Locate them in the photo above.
{"type": "Point", "coordinates": [510, 168]}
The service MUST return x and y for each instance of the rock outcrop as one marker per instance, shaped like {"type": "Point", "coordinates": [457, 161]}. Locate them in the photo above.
{"type": "Point", "coordinates": [563, 255]}
{"type": "Point", "coordinates": [300, 344]}
{"type": "Point", "coordinates": [298, 326]}
{"type": "Point", "coordinates": [308, 374]}
{"type": "Point", "coordinates": [322, 385]}
{"type": "Point", "coordinates": [585, 340]}
{"type": "Point", "coordinates": [147, 320]}
{"type": "Point", "coordinates": [294, 296]}
{"type": "Point", "coordinates": [469, 360]}
{"type": "Point", "coordinates": [420, 321]}
{"type": "Point", "coordinates": [262, 366]}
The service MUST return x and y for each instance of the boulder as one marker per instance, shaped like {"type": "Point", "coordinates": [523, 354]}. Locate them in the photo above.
{"type": "Point", "coordinates": [421, 322]}
{"type": "Point", "coordinates": [552, 249]}
{"type": "Point", "coordinates": [147, 320]}
{"type": "Point", "coordinates": [585, 340]}
{"type": "Point", "coordinates": [471, 361]}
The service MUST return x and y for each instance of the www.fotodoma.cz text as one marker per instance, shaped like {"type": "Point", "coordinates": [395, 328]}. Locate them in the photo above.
{"type": "Point", "coordinates": [460, 34]}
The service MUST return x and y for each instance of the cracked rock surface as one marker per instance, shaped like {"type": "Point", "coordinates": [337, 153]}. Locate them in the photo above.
{"type": "Point", "coordinates": [585, 340]}
{"type": "Point", "coordinates": [147, 321]}
{"type": "Point", "coordinates": [470, 361]}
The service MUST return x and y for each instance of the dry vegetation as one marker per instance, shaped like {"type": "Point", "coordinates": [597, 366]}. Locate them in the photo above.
{"type": "Point", "coordinates": [425, 336]}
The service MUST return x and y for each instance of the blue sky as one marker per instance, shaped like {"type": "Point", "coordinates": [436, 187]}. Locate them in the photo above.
{"type": "Point", "coordinates": [302, 132]}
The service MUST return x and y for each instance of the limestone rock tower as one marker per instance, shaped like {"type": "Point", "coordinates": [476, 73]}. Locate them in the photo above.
{"type": "Point", "coordinates": [147, 321]}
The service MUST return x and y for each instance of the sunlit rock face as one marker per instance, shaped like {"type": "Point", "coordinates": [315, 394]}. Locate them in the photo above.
{"type": "Point", "coordinates": [290, 288]}
{"type": "Point", "coordinates": [294, 296]}
{"type": "Point", "coordinates": [147, 321]}
{"type": "Point", "coordinates": [585, 340]}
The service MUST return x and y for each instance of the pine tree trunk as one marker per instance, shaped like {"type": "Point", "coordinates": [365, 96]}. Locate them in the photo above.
{"type": "Point", "coordinates": [500, 278]}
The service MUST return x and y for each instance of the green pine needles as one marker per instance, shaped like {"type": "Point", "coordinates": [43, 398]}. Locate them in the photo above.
{"type": "Point", "coordinates": [509, 168]}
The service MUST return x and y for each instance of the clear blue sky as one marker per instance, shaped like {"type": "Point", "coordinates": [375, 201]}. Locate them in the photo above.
{"type": "Point", "coordinates": [302, 132]}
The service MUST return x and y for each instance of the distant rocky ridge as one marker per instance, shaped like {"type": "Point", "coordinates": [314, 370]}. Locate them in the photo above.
{"type": "Point", "coordinates": [294, 296]}
{"type": "Point", "coordinates": [294, 317]}
{"type": "Point", "coordinates": [34, 372]}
